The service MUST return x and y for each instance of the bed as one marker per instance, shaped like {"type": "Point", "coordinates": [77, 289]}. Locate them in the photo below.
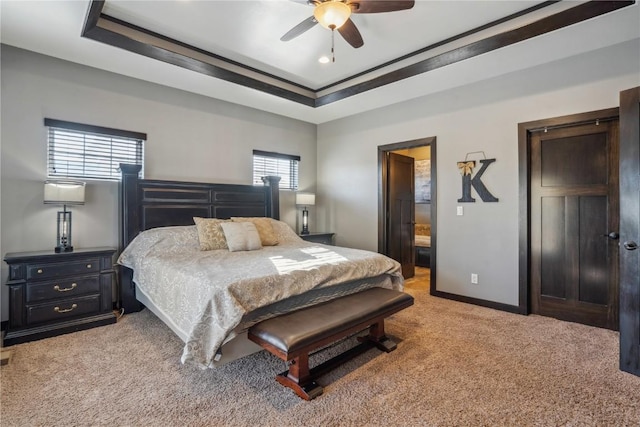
{"type": "Point", "coordinates": [210, 298]}
{"type": "Point", "coordinates": [423, 245]}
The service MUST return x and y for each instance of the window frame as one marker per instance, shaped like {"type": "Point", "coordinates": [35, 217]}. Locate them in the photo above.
{"type": "Point", "coordinates": [294, 169]}
{"type": "Point", "coordinates": [83, 131]}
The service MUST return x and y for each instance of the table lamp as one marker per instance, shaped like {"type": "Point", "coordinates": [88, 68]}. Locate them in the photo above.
{"type": "Point", "coordinates": [305, 199]}
{"type": "Point", "coordinates": [64, 193]}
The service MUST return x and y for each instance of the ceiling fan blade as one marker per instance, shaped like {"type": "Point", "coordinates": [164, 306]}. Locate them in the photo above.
{"type": "Point", "coordinates": [351, 34]}
{"type": "Point", "coordinates": [378, 6]}
{"type": "Point", "coordinates": [305, 25]}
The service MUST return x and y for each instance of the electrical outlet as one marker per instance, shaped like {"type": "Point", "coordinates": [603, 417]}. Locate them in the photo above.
{"type": "Point", "coordinates": [460, 211]}
{"type": "Point", "coordinates": [474, 278]}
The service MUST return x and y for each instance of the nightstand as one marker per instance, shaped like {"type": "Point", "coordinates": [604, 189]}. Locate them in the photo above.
{"type": "Point", "coordinates": [324, 238]}
{"type": "Point", "coordinates": [56, 293]}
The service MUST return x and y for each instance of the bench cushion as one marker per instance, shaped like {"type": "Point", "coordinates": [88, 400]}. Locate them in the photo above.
{"type": "Point", "coordinates": [304, 327]}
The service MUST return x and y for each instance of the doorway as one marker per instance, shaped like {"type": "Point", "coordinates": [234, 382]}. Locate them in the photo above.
{"type": "Point", "coordinates": [407, 204]}
{"type": "Point", "coordinates": [572, 217]}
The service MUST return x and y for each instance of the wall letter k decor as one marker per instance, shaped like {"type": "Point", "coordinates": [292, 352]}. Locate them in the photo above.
{"type": "Point", "coordinates": [466, 168]}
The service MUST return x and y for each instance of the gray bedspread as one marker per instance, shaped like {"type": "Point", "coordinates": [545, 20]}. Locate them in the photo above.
{"type": "Point", "coordinates": [211, 295]}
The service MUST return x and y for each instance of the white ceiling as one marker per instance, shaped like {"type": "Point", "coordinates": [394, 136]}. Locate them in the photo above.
{"type": "Point", "coordinates": [249, 31]}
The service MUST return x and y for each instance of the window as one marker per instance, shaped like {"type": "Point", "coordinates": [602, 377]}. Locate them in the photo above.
{"type": "Point", "coordinates": [90, 152]}
{"type": "Point", "coordinates": [283, 165]}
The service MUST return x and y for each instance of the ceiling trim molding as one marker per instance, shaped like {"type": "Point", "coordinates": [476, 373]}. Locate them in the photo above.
{"type": "Point", "coordinates": [201, 51]}
{"type": "Point", "coordinates": [185, 55]}
{"type": "Point", "coordinates": [544, 25]}
{"type": "Point", "coordinates": [92, 30]}
{"type": "Point", "coordinates": [444, 42]}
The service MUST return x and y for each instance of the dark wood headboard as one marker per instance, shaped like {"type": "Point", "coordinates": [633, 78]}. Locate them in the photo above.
{"type": "Point", "coordinates": [146, 204]}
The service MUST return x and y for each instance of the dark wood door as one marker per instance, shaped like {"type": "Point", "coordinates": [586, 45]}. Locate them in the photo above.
{"type": "Point", "coordinates": [401, 205]}
{"type": "Point", "coordinates": [630, 231]}
{"type": "Point", "coordinates": [574, 223]}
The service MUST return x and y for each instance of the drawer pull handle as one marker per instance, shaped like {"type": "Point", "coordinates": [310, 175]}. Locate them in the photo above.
{"type": "Point", "coordinates": [73, 286]}
{"type": "Point", "coordinates": [66, 310]}
{"type": "Point", "coordinates": [39, 271]}
{"type": "Point", "coordinates": [88, 265]}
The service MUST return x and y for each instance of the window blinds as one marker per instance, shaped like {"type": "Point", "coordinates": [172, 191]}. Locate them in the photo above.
{"type": "Point", "coordinates": [283, 165]}
{"type": "Point", "coordinates": [90, 152]}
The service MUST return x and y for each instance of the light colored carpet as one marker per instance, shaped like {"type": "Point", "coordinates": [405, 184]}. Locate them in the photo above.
{"type": "Point", "coordinates": [456, 364]}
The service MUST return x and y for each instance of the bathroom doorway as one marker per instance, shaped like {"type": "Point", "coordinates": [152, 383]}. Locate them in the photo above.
{"type": "Point", "coordinates": [407, 204]}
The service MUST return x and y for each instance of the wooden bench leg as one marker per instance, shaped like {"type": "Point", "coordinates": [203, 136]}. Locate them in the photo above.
{"type": "Point", "coordinates": [301, 379]}
{"type": "Point", "coordinates": [298, 378]}
{"type": "Point", "coordinates": [378, 338]}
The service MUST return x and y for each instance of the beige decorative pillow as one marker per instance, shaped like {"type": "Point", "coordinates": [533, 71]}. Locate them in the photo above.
{"type": "Point", "coordinates": [210, 234]}
{"type": "Point", "coordinates": [265, 229]}
{"type": "Point", "coordinates": [241, 236]}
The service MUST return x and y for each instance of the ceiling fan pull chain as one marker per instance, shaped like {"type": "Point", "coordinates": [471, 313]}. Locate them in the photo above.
{"type": "Point", "coordinates": [333, 55]}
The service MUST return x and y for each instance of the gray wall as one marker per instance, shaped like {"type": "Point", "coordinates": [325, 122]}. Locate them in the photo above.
{"type": "Point", "coordinates": [190, 137]}
{"type": "Point", "coordinates": [481, 116]}
{"type": "Point", "coordinates": [200, 139]}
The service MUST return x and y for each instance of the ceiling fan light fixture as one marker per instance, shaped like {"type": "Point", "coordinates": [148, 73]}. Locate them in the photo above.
{"type": "Point", "coordinates": [332, 14]}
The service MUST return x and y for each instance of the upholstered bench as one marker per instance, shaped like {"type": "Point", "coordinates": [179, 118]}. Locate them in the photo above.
{"type": "Point", "coordinates": [292, 336]}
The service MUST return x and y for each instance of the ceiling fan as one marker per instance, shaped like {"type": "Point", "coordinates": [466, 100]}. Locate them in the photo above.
{"type": "Point", "coordinates": [335, 15]}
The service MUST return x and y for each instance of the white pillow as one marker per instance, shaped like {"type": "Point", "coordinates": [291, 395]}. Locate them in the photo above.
{"type": "Point", "coordinates": [241, 236]}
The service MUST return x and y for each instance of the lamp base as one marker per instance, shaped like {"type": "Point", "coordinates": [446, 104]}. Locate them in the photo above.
{"type": "Point", "coordinates": [305, 221]}
{"type": "Point", "coordinates": [59, 249]}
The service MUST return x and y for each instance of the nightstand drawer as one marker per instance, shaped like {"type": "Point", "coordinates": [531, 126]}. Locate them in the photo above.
{"type": "Point", "coordinates": [62, 309]}
{"type": "Point", "coordinates": [49, 270]}
{"type": "Point", "coordinates": [64, 288]}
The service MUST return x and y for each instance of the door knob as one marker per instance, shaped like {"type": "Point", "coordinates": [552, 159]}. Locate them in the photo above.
{"type": "Point", "coordinates": [613, 235]}
{"type": "Point", "coordinates": [630, 246]}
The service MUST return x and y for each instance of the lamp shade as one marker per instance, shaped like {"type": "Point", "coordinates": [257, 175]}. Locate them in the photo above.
{"type": "Point", "coordinates": [64, 192]}
{"type": "Point", "coordinates": [305, 199]}
{"type": "Point", "coordinates": [332, 14]}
